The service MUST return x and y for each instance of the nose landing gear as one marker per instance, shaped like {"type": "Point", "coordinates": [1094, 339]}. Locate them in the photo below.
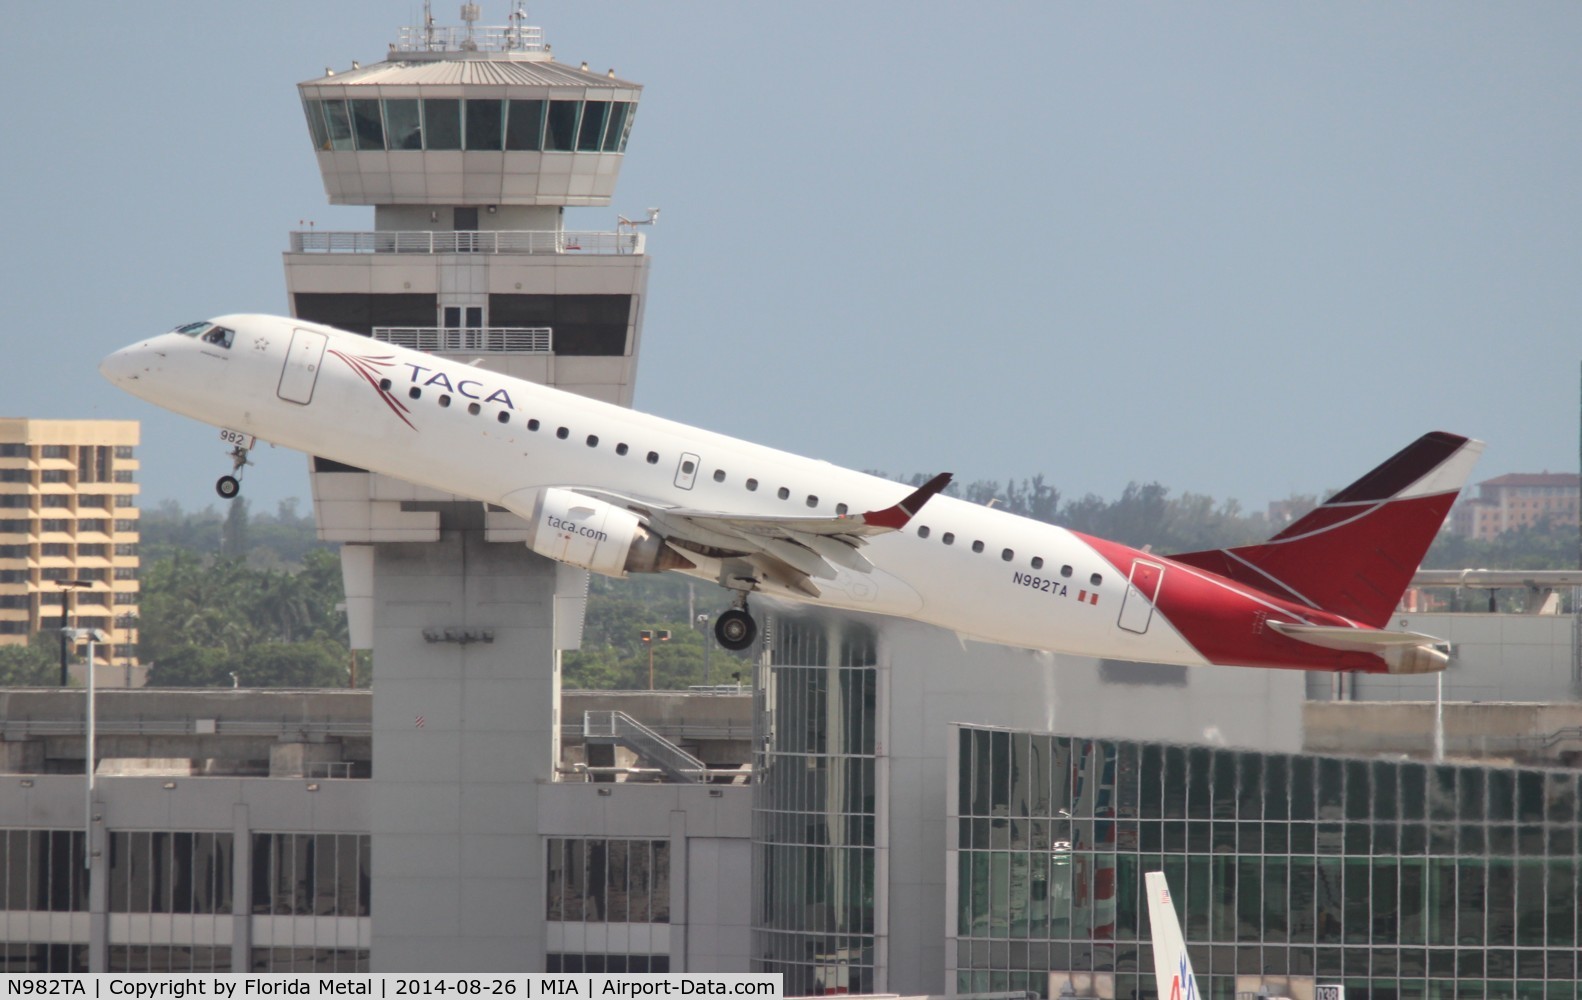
{"type": "Point", "coordinates": [228, 486]}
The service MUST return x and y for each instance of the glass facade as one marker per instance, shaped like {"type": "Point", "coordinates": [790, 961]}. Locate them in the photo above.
{"type": "Point", "coordinates": [187, 878]}
{"type": "Point", "coordinates": [570, 126]}
{"type": "Point", "coordinates": [1396, 878]}
{"type": "Point", "coordinates": [608, 881]}
{"type": "Point", "coordinates": [41, 871]}
{"type": "Point", "coordinates": [814, 848]}
{"type": "Point", "coordinates": [592, 883]}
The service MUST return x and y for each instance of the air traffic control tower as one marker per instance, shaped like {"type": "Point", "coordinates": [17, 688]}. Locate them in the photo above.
{"type": "Point", "coordinates": [469, 143]}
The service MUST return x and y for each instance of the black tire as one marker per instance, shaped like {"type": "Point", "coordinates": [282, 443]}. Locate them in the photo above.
{"type": "Point", "coordinates": [735, 630]}
{"type": "Point", "coordinates": [228, 487]}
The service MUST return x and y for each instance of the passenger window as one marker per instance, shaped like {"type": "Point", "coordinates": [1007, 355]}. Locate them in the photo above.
{"type": "Point", "coordinates": [503, 417]}
{"type": "Point", "coordinates": [752, 484]}
{"type": "Point", "coordinates": [949, 538]}
{"type": "Point", "coordinates": [1007, 555]}
{"type": "Point", "coordinates": [653, 458]}
{"type": "Point", "coordinates": [1065, 571]}
{"type": "Point", "coordinates": [719, 475]}
{"type": "Point", "coordinates": [783, 493]}
{"type": "Point", "coordinates": [414, 393]}
{"type": "Point", "coordinates": [688, 466]}
{"type": "Point", "coordinates": [1038, 562]}
{"type": "Point", "coordinates": [621, 448]}
{"type": "Point", "coordinates": [532, 424]}
{"type": "Point", "coordinates": [922, 531]}
{"type": "Point", "coordinates": [812, 501]}
{"type": "Point", "coordinates": [444, 400]}
{"type": "Point", "coordinates": [562, 433]}
{"type": "Point", "coordinates": [977, 546]}
{"type": "Point", "coordinates": [593, 440]}
{"type": "Point", "coordinates": [474, 409]}
{"type": "Point", "coordinates": [384, 384]}
{"type": "Point", "coordinates": [1096, 580]}
{"type": "Point", "coordinates": [841, 509]}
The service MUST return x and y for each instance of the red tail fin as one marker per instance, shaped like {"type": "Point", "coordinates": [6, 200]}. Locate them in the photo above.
{"type": "Point", "coordinates": [1355, 555]}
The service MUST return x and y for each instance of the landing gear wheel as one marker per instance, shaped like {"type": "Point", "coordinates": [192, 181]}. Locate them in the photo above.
{"type": "Point", "coordinates": [735, 629]}
{"type": "Point", "coordinates": [228, 487]}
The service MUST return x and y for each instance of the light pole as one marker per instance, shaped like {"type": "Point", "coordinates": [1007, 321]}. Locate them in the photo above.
{"type": "Point", "coordinates": [128, 623]}
{"type": "Point", "coordinates": [708, 643]}
{"type": "Point", "coordinates": [648, 638]}
{"type": "Point", "coordinates": [67, 587]}
{"type": "Point", "coordinates": [74, 636]}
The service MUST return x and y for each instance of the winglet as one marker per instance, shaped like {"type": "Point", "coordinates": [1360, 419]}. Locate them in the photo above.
{"type": "Point", "coordinates": [897, 516]}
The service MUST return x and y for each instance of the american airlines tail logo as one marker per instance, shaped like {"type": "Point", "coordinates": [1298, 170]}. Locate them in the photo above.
{"type": "Point", "coordinates": [1182, 985]}
{"type": "Point", "coordinates": [369, 368]}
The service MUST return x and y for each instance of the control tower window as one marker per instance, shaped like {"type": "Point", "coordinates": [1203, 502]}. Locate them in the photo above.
{"type": "Point", "coordinates": [338, 124]}
{"type": "Point", "coordinates": [591, 136]}
{"type": "Point", "coordinates": [561, 129]}
{"type": "Point", "coordinates": [524, 125]}
{"type": "Point", "coordinates": [403, 125]}
{"type": "Point", "coordinates": [367, 125]}
{"type": "Point", "coordinates": [484, 122]}
{"type": "Point", "coordinates": [615, 129]}
{"type": "Point", "coordinates": [442, 123]}
{"type": "Point", "coordinates": [315, 112]}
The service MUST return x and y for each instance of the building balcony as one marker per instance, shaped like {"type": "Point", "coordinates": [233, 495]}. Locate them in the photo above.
{"type": "Point", "coordinates": [485, 241]}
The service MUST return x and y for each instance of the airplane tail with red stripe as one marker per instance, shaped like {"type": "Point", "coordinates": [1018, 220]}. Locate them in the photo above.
{"type": "Point", "coordinates": [1354, 556]}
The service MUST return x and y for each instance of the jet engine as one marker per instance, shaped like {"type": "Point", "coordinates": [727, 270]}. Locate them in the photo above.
{"type": "Point", "coordinates": [571, 528]}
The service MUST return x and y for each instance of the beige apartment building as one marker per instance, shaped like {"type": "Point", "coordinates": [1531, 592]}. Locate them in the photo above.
{"type": "Point", "coordinates": [69, 524]}
{"type": "Point", "coordinates": [1517, 500]}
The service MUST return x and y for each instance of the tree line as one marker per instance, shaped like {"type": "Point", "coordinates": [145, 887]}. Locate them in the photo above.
{"type": "Point", "coordinates": [255, 600]}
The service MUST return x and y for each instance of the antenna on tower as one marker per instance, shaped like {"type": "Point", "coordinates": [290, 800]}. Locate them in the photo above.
{"type": "Point", "coordinates": [469, 15]}
{"type": "Point", "coordinates": [428, 26]}
{"type": "Point", "coordinates": [518, 18]}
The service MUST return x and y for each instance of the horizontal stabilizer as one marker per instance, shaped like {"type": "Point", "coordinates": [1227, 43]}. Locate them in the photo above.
{"type": "Point", "coordinates": [1405, 652]}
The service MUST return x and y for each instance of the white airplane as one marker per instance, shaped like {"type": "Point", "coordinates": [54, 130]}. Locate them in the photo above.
{"type": "Point", "coordinates": [616, 491]}
{"type": "Point", "coordinates": [1172, 968]}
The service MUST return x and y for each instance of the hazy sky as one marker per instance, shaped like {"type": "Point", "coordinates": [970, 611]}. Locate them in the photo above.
{"type": "Point", "coordinates": [1241, 249]}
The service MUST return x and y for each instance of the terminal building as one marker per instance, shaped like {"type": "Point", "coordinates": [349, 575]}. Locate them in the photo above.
{"type": "Point", "coordinates": [885, 808]}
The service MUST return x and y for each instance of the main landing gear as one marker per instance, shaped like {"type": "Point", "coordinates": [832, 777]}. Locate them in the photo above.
{"type": "Point", "coordinates": [228, 486]}
{"type": "Point", "coordinates": [735, 629]}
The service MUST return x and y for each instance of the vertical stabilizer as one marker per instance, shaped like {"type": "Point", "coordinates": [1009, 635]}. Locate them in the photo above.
{"type": "Point", "coordinates": [1172, 969]}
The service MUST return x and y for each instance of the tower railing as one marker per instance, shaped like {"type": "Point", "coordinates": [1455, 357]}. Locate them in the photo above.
{"type": "Point", "coordinates": [440, 340]}
{"type": "Point", "coordinates": [448, 38]}
{"type": "Point", "coordinates": [618, 727]}
{"type": "Point", "coordinates": [428, 241]}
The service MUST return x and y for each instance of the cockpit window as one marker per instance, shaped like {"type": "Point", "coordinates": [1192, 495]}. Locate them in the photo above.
{"type": "Point", "coordinates": [192, 329]}
{"type": "Point", "coordinates": [219, 335]}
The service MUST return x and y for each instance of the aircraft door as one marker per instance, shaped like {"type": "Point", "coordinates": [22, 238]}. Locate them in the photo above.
{"type": "Point", "coordinates": [687, 471]}
{"type": "Point", "coordinates": [302, 366]}
{"type": "Point", "coordinates": [1137, 607]}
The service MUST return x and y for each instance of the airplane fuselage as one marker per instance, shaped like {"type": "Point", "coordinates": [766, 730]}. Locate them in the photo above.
{"type": "Point", "coordinates": [466, 430]}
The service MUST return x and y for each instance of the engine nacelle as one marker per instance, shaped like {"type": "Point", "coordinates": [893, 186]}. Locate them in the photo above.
{"type": "Point", "coordinates": [571, 528]}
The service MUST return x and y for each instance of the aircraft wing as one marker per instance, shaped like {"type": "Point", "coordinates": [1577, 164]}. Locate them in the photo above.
{"type": "Point", "coordinates": [792, 549]}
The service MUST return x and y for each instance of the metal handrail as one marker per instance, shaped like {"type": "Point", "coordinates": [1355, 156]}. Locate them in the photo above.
{"type": "Point", "coordinates": [23, 728]}
{"type": "Point", "coordinates": [623, 728]}
{"type": "Point", "coordinates": [434, 339]}
{"type": "Point", "coordinates": [435, 241]}
{"type": "Point", "coordinates": [448, 38]}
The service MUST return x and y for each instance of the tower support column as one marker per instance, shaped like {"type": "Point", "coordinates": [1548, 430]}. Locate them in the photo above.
{"type": "Point", "coordinates": [465, 719]}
